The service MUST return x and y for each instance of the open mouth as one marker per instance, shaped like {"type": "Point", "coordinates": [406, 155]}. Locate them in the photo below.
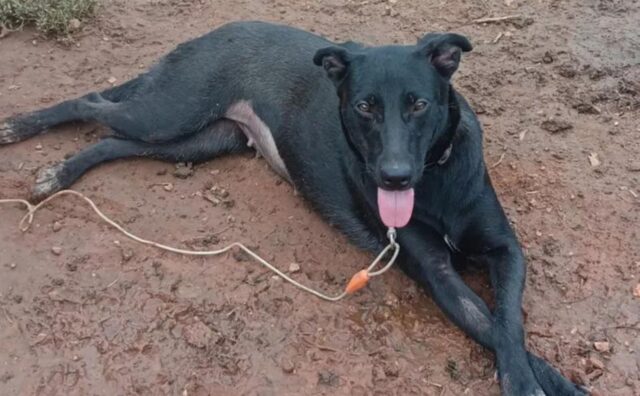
{"type": "Point", "coordinates": [395, 206]}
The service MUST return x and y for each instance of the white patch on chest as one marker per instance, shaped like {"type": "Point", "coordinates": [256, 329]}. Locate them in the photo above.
{"type": "Point", "coordinates": [259, 135]}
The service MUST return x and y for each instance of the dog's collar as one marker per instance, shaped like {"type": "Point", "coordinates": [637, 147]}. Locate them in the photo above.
{"type": "Point", "coordinates": [445, 156]}
{"type": "Point", "coordinates": [453, 126]}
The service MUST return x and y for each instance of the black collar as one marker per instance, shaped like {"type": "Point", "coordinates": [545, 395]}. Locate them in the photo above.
{"type": "Point", "coordinates": [441, 151]}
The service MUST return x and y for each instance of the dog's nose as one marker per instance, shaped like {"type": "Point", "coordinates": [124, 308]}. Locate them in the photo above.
{"type": "Point", "coordinates": [396, 175]}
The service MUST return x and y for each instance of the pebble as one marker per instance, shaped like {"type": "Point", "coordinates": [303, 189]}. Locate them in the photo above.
{"type": "Point", "coordinates": [57, 250]}
{"type": "Point", "coordinates": [596, 363]}
{"type": "Point", "coordinates": [183, 170]}
{"type": "Point", "coordinates": [112, 80]}
{"type": "Point", "coordinates": [12, 265]}
{"type": "Point", "coordinates": [594, 160]}
{"type": "Point", "coordinates": [127, 254]}
{"type": "Point", "coordinates": [602, 346]}
{"type": "Point", "coordinates": [328, 378]}
{"type": "Point", "coordinates": [56, 226]}
{"type": "Point", "coordinates": [555, 126]}
{"type": "Point", "coordinates": [391, 370]}
{"type": "Point", "coordinates": [74, 24]}
{"type": "Point", "coordinates": [287, 366]}
{"type": "Point", "coordinates": [294, 267]}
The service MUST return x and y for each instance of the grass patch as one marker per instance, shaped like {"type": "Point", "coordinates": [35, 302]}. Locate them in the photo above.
{"type": "Point", "coordinates": [51, 17]}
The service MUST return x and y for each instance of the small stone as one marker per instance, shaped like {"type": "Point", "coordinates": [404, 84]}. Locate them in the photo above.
{"type": "Point", "coordinates": [74, 24]}
{"type": "Point", "coordinates": [127, 254]}
{"type": "Point", "coordinates": [57, 250]}
{"type": "Point", "coordinates": [547, 57]}
{"type": "Point", "coordinates": [328, 378]}
{"type": "Point", "coordinates": [183, 170]}
{"type": "Point", "coordinates": [391, 300]}
{"type": "Point", "coordinates": [567, 70]}
{"type": "Point", "coordinates": [596, 363]}
{"type": "Point", "coordinates": [293, 268]}
{"type": "Point", "coordinates": [287, 366]}
{"type": "Point", "coordinates": [634, 167]}
{"type": "Point", "coordinates": [13, 266]}
{"type": "Point", "coordinates": [112, 80]}
{"type": "Point", "coordinates": [555, 126]}
{"type": "Point", "coordinates": [38, 147]}
{"type": "Point", "coordinates": [56, 226]}
{"type": "Point", "coordinates": [636, 290]}
{"type": "Point", "coordinates": [586, 108]}
{"type": "Point", "coordinates": [602, 346]}
{"type": "Point", "coordinates": [391, 370]}
{"type": "Point", "coordinates": [594, 160]}
{"type": "Point", "coordinates": [168, 187]}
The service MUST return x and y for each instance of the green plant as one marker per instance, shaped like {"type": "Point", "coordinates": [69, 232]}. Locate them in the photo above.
{"type": "Point", "coordinates": [51, 17]}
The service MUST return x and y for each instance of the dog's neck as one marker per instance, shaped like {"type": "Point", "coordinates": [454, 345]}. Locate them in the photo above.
{"type": "Point", "coordinates": [441, 151]}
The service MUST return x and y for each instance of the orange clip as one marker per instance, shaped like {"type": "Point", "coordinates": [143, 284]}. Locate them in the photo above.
{"type": "Point", "coordinates": [357, 282]}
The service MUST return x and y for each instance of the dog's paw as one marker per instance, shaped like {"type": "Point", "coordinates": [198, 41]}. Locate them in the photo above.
{"type": "Point", "coordinates": [520, 385]}
{"type": "Point", "coordinates": [48, 181]}
{"type": "Point", "coordinates": [7, 133]}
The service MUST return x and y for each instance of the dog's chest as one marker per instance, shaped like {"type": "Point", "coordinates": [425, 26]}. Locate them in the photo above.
{"type": "Point", "coordinates": [258, 134]}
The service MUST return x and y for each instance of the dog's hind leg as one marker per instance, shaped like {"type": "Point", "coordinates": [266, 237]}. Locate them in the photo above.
{"type": "Point", "coordinates": [222, 137]}
{"type": "Point", "coordinates": [90, 107]}
{"type": "Point", "coordinates": [428, 260]}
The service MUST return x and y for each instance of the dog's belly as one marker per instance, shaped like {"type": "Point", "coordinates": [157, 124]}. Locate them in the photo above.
{"type": "Point", "coordinates": [259, 135]}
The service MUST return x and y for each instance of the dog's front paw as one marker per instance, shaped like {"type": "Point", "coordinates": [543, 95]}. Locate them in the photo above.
{"type": "Point", "coordinates": [48, 181]}
{"type": "Point", "coordinates": [520, 385]}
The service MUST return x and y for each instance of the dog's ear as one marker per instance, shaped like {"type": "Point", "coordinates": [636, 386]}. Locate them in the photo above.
{"type": "Point", "coordinates": [444, 51]}
{"type": "Point", "coordinates": [335, 61]}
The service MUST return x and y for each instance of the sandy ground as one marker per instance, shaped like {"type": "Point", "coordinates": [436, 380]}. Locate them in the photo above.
{"type": "Point", "coordinates": [107, 316]}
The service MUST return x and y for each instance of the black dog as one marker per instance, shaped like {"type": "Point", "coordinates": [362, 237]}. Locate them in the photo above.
{"type": "Point", "coordinates": [396, 129]}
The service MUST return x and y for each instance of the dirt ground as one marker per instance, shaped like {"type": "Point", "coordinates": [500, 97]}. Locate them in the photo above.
{"type": "Point", "coordinates": [84, 311]}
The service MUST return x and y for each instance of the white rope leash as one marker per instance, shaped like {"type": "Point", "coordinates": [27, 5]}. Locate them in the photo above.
{"type": "Point", "coordinates": [358, 281]}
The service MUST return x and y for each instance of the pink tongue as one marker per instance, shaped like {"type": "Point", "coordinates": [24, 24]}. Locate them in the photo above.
{"type": "Point", "coordinates": [395, 207]}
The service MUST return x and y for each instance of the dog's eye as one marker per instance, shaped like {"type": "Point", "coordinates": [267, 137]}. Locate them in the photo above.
{"type": "Point", "coordinates": [363, 107]}
{"type": "Point", "coordinates": [419, 105]}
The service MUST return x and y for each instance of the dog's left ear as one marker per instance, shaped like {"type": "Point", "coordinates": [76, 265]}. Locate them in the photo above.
{"type": "Point", "coordinates": [444, 51]}
{"type": "Point", "coordinates": [335, 61]}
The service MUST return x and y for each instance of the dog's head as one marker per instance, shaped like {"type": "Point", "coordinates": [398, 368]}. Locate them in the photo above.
{"type": "Point", "coordinates": [394, 103]}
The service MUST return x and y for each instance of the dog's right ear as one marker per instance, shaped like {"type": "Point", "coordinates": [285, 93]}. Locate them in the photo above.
{"type": "Point", "coordinates": [335, 61]}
